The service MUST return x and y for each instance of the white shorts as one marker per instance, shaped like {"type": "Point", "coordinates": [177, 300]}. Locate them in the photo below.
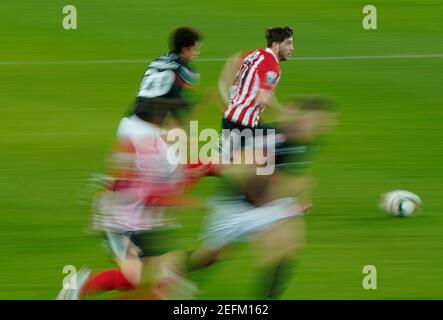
{"type": "Point", "coordinates": [123, 211]}
{"type": "Point", "coordinates": [233, 220]}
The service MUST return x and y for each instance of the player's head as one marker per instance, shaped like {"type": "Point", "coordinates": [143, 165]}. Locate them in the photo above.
{"type": "Point", "coordinates": [185, 41]}
{"type": "Point", "coordinates": [281, 41]}
{"type": "Point", "coordinates": [311, 117]}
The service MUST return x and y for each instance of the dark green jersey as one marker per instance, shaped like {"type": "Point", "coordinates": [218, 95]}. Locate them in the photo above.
{"type": "Point", "coordinates": [161, 90]}
{"type": "Point", "coordinates": [166, 76]}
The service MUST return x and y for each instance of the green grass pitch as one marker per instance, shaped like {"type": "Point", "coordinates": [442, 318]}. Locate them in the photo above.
{"type": "Point", "coordinates": [58, 122]}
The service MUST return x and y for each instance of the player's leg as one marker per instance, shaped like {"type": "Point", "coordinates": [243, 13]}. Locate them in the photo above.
{"type": "Point", "coordinates": [163, 278]}
{"type": "Point", "coordinates": [125, 277]}
{"type": "Point", "coordinates": [201, 261]}
{"type": "Point", "coordinates": [163, 267]}
{"type": "Point", "coordinates": [274, 227]}
{"type": "Point", "coordinates": [221, 228]}
{"type": "Point", "coordinates": [168, 277]}
{"type": "Point", "coordinates": [204, 257]}
{"type": "Point", "coordinates": [278, 248]}
{"type": "Point", "coordinates": [219, 231]}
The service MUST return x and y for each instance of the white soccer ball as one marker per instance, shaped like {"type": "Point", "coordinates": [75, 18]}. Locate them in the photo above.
{"type": "Point", "coordinates": [400, 203]}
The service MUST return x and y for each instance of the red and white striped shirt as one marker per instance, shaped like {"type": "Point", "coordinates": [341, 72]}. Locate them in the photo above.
{"type": "Point", "coordinates": [259, 70]}
{"type": "Point", "coordinates": [154, 173]}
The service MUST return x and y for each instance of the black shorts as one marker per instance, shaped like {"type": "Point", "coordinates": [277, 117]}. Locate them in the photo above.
{"type": "Point", "coordinates": [228, 124]}
{"type": "Point", "coordinates": [150, 243]}
{"type": "Point", "coordinates": [227, 149]}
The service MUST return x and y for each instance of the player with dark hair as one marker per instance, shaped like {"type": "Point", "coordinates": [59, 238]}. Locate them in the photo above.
{"type": "Point", "coordinates": [247, 84]}
{"type": "Point", "coordinates": [130, 210]}
{"type": "Point", "coordinates": [257, 78]}
{"type": "Point", "coordinates": [160, 91]}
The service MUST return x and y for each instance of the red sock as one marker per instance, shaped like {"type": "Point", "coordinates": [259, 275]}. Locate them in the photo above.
{"type": "Point", "coordinates": [107, 280]}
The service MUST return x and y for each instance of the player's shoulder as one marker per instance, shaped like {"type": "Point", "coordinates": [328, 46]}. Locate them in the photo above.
{"type": "Point", "coordinates": [269, 59]}
{"type": "Point", "coordinates": [167, 61]}
{"type": "Point", "coordinates": [248, 53]}
{"type": "Point", "coordinates": [251, 56]}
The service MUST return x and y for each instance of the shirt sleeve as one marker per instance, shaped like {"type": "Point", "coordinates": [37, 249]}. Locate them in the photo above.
{"type": "Point", "coordinates": [189, 77]}
{"type": "Point", "coordinates": [268, 74]}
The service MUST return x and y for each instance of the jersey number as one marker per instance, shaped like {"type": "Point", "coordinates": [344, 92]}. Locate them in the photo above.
{"type": "Point", "coordinates": [156, 83]}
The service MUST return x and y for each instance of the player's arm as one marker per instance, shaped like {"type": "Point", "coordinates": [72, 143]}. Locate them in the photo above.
{"type": "Point", "coordinates": [228, 76]}
{"type": "Point", "coordinates": [268, 77]}
{"type": "Point", "coordinates": [299, 186]}
{"type": "Point", "coordinates": [188, 77]}
{"type": "Point", "coordinates": [264, 96]}
{"type": "Point", "coordinates": [181, 106]}
{"type": "Point", "coordinates": [267, 97]}
{"type": "Point", "coordinates": [274, 103]}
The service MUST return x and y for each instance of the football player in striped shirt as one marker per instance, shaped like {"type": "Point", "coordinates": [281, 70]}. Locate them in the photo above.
{"type": "Point", "coordinates": [256, 79]}
{"type": "Point", "coordinates": [267, 209]}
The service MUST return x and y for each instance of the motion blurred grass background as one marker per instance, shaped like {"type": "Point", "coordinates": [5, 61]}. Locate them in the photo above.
{"type": "Point", "coordinates": [58, 121]}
